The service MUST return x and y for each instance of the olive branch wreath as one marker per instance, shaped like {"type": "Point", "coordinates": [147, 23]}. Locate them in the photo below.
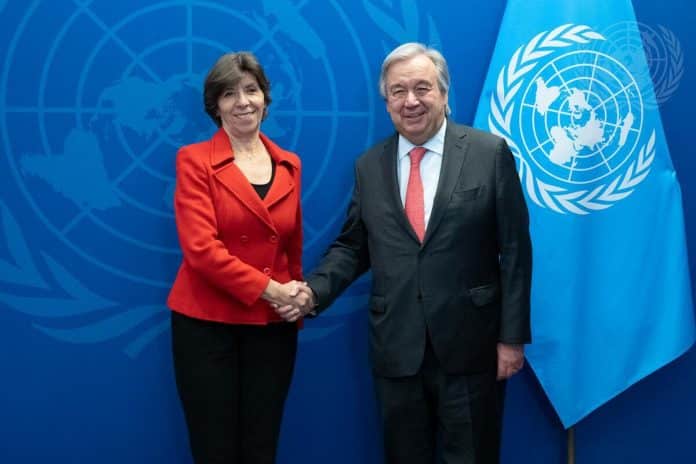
{"type": "Point", "coordinates": [509, 82]}
{"type": "Point", "coordinates": [61, 306]}
{"type": "Point", "coordinates": [665, 88]}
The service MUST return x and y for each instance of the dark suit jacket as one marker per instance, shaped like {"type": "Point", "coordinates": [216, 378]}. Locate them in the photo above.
{"type": "Point", "coordinates": [468, 284]}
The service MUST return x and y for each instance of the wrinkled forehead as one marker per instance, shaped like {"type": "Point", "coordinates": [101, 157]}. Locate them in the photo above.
{"type": "Point", "coordinates": [417, 69]}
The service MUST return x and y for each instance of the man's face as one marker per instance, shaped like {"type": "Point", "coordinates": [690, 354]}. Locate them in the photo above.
{"type": "Point", "coordinates": [414, 100]}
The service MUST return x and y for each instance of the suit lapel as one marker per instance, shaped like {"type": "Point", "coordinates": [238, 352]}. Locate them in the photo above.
{"type": "Point", "coordinates": [227, 173]}
{"type": "Point", "coordinates": [281, 187]}
{"type": "Point", "coordinates": [389, 160]}
{"type": "Point", "coordinates": [454, 155]}
{"type": "Point", "coordinates": [283, 183]}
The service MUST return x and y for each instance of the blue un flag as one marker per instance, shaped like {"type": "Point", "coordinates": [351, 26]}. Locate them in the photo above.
{"type": "Point", "coordinates": [611, 298]}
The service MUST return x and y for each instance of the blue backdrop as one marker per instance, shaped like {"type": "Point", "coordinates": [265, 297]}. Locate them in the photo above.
{"type": "Point", "coordinates": [95, 98]}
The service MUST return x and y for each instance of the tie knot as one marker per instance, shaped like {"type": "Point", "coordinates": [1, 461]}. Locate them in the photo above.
{"type": "Point", "coordinates": [417, 154]}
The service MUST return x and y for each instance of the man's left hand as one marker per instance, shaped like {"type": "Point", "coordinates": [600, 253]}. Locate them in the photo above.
{"type": "Point", "coordinates": [510, 360]}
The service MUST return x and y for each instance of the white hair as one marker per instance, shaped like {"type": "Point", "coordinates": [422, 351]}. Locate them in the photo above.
{"type": "Point", "coordinates": [408, 51]}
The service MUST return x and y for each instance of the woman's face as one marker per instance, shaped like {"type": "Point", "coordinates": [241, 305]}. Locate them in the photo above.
{"type": "Point", "coordinates": [241, 108]}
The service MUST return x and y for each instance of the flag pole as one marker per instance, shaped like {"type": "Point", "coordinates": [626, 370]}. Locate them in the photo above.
{"type": "Point", "coordinates": [571, 445]}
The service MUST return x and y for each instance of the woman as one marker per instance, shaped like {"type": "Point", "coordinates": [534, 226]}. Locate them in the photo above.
{"type": "Point", "coordinates": [237, 205]}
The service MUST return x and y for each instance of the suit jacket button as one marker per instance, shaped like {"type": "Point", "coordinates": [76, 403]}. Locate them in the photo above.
{"type": "Point", "coordinates": [244, 239]}
{"type": "Point", "coordinates": [267, 270]}
{"type": "Point", "coordinates": [273, 238]}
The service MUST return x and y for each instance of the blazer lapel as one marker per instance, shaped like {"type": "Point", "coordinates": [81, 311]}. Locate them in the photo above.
{"type": "Point", "coordinates": [283, 183]}
{"type": "Point", "coordinates": [281, 187]}
{"type": "Point", "coordinates": [227, 173]}
{"type": "Point", "coordinates": [389, 160]}
{"type": "Point", "coordinates": [454, 155]}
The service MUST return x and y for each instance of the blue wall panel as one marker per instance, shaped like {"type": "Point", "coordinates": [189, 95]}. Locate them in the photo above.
{"type": "Point", "coordinates": [95, 98]}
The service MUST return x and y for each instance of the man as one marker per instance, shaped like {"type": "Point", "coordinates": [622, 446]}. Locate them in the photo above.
{"type": "Point", "coordinates": [444, 229]}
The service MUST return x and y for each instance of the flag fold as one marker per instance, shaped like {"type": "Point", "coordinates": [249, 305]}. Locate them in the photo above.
{"type": "Point", "coordinates": [569, 87]}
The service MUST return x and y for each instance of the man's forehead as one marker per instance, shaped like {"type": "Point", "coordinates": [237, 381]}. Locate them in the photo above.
{"type": "Point", "coordinates": [416, 68]}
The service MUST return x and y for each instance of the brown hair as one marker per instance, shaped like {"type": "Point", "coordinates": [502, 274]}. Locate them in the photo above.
{"type": "Point", "coordinates": [226, 73]}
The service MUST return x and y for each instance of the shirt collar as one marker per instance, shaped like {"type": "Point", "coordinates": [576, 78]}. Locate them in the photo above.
{"type": "Point", "coordinates": [435, 144]}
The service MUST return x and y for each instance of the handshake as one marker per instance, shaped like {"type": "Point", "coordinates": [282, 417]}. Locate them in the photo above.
{"type": "Point", "coordinates": [292, 300]}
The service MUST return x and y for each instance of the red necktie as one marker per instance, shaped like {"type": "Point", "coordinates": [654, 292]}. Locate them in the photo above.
{"type": "Point", "coordinates": [415, 205]}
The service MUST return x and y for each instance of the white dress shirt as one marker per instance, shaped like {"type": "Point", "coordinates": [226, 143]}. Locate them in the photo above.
{"type": "Point", "coordinates": [429, 167]}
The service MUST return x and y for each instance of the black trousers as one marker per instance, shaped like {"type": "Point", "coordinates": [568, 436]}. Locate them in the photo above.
{"type": "Point", "coordinates": [232, 382]}
{"type": "Point", "coordinates": [435, 417]}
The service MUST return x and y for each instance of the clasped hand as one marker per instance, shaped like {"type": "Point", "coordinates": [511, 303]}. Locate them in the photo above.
{"type": "Point", "coordinates": [292, 300]}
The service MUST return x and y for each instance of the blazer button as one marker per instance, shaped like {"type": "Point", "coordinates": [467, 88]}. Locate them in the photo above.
{"type": "Point", "coordinates": [267, 270]}
{"type": "Point", "coordinates": [273, 238]}
{"type": "Point", "coordinates": [244, 238]}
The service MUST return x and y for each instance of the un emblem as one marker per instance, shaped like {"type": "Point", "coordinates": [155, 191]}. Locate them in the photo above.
{"type": "Point", "coordinates": [654, 57]}
{"type": "Point", "coordinates": [91, 121]}
{"type": "Point", "coordinates": [574, 118]}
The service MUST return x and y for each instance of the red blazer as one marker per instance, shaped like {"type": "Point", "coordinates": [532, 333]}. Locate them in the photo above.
{"type": "Point", "coordinates": [232, 241]}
